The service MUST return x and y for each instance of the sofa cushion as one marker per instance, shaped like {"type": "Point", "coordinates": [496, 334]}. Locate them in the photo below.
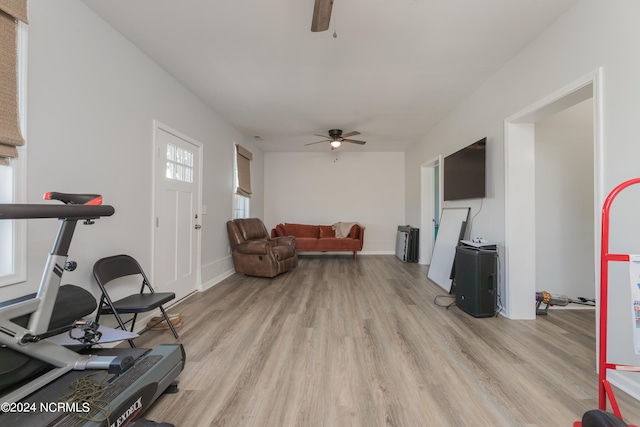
{"type": "Point", "coordinates": [326, 231]}
{"type": "Point", "coordinates": [338, 244]}
{"type": "Point", "coordinates": [306, 243]}
{"type": "Point", "coordinates": [302, 230]}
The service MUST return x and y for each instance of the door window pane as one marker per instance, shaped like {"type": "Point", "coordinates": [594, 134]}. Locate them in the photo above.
{"type": "Point", "coordinates": [179, 164]}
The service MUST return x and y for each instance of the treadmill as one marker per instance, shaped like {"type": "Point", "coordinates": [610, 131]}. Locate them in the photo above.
{"type": "Point", "coordinates": [46, 384]}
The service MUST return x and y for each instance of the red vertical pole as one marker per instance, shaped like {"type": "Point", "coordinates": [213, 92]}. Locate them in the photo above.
{"type": "Point", "coordinates": [604, 303]}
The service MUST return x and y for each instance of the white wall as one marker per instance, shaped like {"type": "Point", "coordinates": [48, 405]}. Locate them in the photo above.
{"type": "Point", "coordinates": [591, 34]}
{"type": "Point", "coordinates": [324, 188]}
{"type": "Point", "coordinates": [564, 202]}
{"type": "Point", "coordinates": [92, 99]}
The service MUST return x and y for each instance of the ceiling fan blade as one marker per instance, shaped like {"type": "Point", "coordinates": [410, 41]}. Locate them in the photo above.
{"type": "Point", "coordinates": [347, 135]}
{"type": "Point", "coordinates": [322, 136]}
{"type": "Point", "coordinates": [321, 15]}
{"type": "Point", "coordinates": [354, 141]}
{"type": "Point", "coordinates": [311, 143]}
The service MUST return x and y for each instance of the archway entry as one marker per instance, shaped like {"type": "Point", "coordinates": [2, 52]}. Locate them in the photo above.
{"type": "Point", "coordinates": [520, 191]}
{"type": "Point", "coordinates": [430, 206]}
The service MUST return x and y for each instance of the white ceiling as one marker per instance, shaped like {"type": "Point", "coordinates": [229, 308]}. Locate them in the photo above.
{"type": "Point", "coordinates": [395, 69]}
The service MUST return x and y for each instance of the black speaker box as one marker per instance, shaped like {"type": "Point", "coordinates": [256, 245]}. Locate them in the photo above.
{"type": "Point", "coordinates": [476, 281]}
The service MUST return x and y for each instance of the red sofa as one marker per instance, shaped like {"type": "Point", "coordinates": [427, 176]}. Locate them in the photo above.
{"type": "Point", "coordinates": [322, 238]}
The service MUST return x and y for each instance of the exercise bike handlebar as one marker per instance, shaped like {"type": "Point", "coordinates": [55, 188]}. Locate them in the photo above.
{"type": "Point", "coordinates": [76, 206]}
{"type": "Point", "coordinates": [24, 211]}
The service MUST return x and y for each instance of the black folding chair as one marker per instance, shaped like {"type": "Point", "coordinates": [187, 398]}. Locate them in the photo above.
{"type": "Point", "coordinates": [107, 269]}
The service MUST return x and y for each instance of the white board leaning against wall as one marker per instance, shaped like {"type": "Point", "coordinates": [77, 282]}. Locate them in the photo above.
{"type": "Point", "coordinates": [452, 226]}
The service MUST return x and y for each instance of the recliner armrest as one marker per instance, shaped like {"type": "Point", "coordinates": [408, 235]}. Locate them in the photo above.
{"type": "Point", "coordinates": [259, 247]}
{"type": "Point", "coordinates": [284, 241]}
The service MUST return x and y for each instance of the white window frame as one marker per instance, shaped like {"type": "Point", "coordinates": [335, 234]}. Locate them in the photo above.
{"type": "Point", "coordinates": [18, 171]}
{"type": "Point", "coordinates": [241, 204]}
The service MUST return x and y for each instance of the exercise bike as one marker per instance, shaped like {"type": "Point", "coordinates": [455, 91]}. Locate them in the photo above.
{"type": "Point", "coordinates": [34, 370]}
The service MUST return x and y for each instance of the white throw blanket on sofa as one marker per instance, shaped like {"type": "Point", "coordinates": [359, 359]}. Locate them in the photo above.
{"type": "Point", "coordinates": [342, 228]}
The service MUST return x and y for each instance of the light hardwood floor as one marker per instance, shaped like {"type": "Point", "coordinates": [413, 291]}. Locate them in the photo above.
{"type": "Point", "coordinates": [343, 342]}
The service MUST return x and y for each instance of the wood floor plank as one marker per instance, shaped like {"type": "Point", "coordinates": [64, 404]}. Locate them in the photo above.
{"type": "Point", "coordinates": [343, 342]}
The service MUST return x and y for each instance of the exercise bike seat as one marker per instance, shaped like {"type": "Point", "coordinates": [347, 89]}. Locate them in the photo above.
{"type": "Point", "coordinates": [72, 303]}
{"type": "Point", "coordinates": [74, 199]}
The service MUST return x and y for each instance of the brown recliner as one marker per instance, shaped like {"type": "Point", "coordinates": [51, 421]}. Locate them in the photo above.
{"type": "Point", "coordinates": [255, 254]}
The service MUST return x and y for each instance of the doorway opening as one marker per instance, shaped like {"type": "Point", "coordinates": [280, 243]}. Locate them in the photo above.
{"type": "Point", "coordinates": [430, 206]}
{"type": "Point", "coordinates": [521, 227]}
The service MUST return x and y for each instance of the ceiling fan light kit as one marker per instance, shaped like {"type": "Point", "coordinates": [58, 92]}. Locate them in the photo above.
{"type": "Point", "coordinates": [336, 138]}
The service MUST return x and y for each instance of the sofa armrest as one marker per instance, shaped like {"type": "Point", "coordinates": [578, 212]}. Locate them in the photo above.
{"type": "Point", "coordinates": [254, 247]}
{"type": "Point", "coordinates": [357, 233]}
{"type": "Point", "coordinates": [284, 241]}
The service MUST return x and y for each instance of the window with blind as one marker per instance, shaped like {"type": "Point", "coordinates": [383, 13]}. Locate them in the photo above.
{"type": "Point", "coordinates": [13, 54]}
{"type": "Point", "coordinates": [242, 182]}
{"type": "Point", "coordinates": [13, 14]}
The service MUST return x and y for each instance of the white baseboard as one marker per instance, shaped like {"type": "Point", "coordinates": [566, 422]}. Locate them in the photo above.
{"type": "Point", "coordinates": [211, 283]}
{"type": "Point", "coordinates": [346, 253]}
{"type": "Point", "coordinates": [625, 382]}
{"type": "Point", "coordinates": [569, 307]}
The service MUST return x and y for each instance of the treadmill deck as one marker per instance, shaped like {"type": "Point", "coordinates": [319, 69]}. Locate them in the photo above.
{"type": "Point", "coordinates": [125, 397]}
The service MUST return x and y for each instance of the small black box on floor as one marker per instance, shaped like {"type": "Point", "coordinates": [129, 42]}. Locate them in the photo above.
{"type": "Point", "coordinates": [407, 243]}
{"type": "Point", "coordinates": [476, 281]}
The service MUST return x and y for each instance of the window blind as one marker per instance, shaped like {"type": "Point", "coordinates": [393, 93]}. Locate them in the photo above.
{"type": "Point", "coordinates": [11, 11]}
{"type": "Point", "coordinates": [243, 159]}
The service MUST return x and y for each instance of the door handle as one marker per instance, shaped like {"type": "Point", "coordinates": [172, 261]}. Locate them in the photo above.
{"type": "Point", "coordinates": [198, 227]}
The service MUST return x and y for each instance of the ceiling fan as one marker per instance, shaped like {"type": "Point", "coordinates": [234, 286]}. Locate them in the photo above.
{"type": "Point", "coordinates": [321, 15]}
{"type": "Point", "coordinates": [336, 138]}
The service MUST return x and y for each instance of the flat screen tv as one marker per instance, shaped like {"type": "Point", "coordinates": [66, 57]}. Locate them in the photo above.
{"type": "Point", "coordinates": [464, 172]}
